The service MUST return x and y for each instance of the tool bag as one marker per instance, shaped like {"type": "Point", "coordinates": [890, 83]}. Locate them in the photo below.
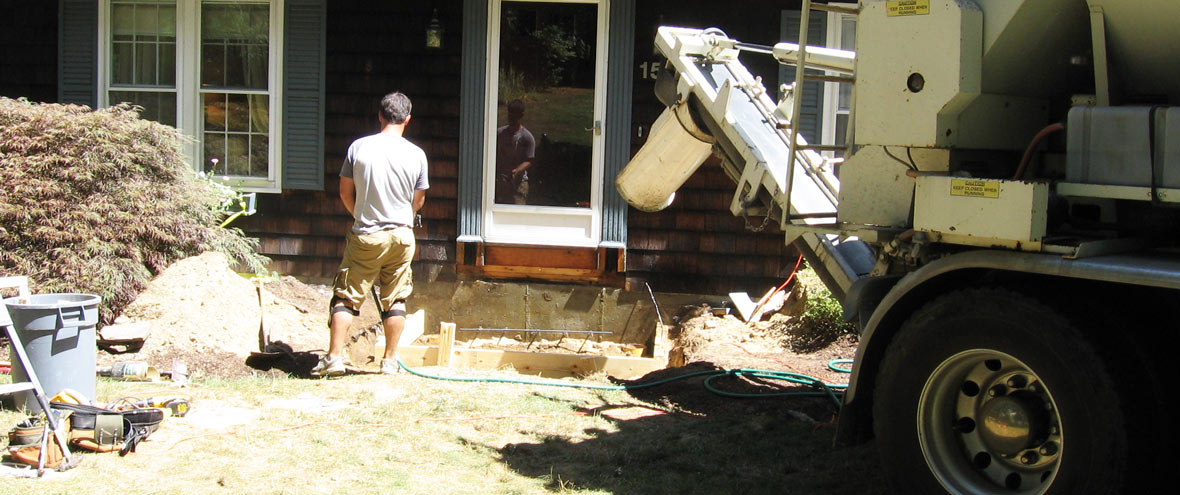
{"type": "Point", "coordinates": [24, 444]}
{"type": "Point", "coordinates": [105, 430]}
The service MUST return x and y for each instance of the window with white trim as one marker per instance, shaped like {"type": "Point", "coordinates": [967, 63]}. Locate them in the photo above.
{"type": "Point", "coordinates": [143, 57]}
{"type": "Point", "coordinates": [235, 63]}
{"type": "Point", "coordinates": [838, 96]}
{"type": "Point", "coordinates": [208, 67]}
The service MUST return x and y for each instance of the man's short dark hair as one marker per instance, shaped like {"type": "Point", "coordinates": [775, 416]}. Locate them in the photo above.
{"type": "Point", "coordinates": [395, 107]}
{"type": "Point", "coordinates": [515, 109]}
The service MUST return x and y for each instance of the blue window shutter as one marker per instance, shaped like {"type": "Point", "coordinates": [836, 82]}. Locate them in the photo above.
{"type": "Point", "coordinates": [304, 40]}
{"type": "Point", "coordinates": [77, 60]}
{"type": "Point", "coordinates": [812, 112]}
{"type": "Point", "coordinates": [472, 89]}
{"type": "Point", "coordinates": [620, 54]}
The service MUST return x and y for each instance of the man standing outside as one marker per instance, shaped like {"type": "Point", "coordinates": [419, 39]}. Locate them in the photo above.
{"type": "Point", "coordinates": [515, 148]}
{"type": "Point", "coordinates": [383, 184]}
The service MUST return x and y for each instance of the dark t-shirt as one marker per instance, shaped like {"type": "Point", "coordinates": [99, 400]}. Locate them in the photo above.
{"type": "Point", "coordinates": [512, 149]}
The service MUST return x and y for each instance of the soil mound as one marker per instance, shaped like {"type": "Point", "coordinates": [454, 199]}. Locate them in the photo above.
{"type": "Point", "coordinates": [730, 343]}
{"type": "Point", "coordinates": [201, 312]}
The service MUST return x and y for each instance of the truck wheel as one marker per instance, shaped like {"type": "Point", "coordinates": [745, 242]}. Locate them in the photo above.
{"type": "Point", "coordinates": [988, 391]}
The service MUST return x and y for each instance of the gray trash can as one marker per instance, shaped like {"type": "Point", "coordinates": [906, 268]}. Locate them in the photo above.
{"type": "Point", "coordinates": [58, 331]}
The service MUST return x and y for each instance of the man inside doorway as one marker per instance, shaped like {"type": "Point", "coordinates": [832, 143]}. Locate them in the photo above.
{"type": "Point", "coordinates": [515, 150]}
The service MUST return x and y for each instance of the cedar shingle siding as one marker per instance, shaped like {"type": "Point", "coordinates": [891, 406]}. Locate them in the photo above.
{"type": "Point", "coordinates": [28, 51]}
{"type": "Point", "coordinates": [374, 48]}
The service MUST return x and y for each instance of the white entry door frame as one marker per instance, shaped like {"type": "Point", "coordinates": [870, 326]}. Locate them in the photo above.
{"type": "Point", "coordinates": [553, 222]}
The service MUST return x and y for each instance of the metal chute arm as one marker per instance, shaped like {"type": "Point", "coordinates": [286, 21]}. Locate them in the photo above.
{"type": "Point", "coordinates": [717, 106]}
{"type": "Point", "coordinates": [818, 57]}
{"type": "Point", "coordinates": [717, 89]}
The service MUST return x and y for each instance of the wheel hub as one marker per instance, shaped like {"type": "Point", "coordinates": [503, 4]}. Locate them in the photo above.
{"type": "Point", "coordinates": [1012, 423]}
{"type": "Point", "coordinates": [987, 422]}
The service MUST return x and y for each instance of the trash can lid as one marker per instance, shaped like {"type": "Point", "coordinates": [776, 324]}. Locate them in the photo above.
{"type": "Point", "coordinates": [52, 301]}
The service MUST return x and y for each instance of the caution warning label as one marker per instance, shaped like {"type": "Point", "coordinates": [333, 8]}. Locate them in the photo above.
{"type": "Point", "coordinates": [896, 8]}
{"type": "Point", "coordinates": [975, 188]}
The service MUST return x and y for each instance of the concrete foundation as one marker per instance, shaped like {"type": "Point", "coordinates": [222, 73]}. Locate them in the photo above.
{"type": "Point", "coordinates": [629, 316]}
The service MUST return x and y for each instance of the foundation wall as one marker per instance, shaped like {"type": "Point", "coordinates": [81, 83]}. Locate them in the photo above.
{"type": "Point", "coordinates": [629, 316]}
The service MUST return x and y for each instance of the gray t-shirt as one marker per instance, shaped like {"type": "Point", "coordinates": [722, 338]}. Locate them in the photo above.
{"type": "Point", "coordinates": [387, 169]}
{"type": "Point", "coordinates": [512, 149]}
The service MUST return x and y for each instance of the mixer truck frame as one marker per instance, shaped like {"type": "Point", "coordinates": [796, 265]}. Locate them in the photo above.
{"type": "Point", "coordinates": [1001, 224]}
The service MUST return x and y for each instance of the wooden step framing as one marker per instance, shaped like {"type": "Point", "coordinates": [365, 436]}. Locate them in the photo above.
{"type": "Point", "coordinates": [545, 364]}
{"type": "Point", "coordinates": [597, 265]}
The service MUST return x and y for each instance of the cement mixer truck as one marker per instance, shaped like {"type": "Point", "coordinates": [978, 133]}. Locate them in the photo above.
{"type": "Point", "coordinates": [1001, 221]}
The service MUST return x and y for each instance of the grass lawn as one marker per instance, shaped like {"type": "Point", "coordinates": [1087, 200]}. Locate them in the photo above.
{"type": "Point", "coordinates": [562, 113]}
{"type": "Point", "coordinates": [403, 434]}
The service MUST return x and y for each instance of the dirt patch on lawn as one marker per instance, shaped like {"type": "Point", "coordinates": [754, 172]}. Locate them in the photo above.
{"type": "Point", "coordinates": [201, 313]}
{"type": "Point", "coordinates": [711, 345]}
{"type": "Point", "coordinates": [728, 342]}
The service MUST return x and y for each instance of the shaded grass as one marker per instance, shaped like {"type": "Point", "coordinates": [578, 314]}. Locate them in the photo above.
{"type": "Point", "coordinates": [404, 434]}
{"type": "Point", "coordinates": [562, 113]}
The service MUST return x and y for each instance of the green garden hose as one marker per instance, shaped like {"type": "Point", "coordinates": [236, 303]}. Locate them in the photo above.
{"type": "Point", "coordinates": [832, 365]}
{"type": "Point", "coordinates": [830, 390]}
{"type": "Point", "coordinates": [821, 389]}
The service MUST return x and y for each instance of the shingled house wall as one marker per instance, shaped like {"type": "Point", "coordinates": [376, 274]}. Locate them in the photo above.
{"type": "Point", "coordinates": [695, 245]}
{"type": "Point", "coordinates": [28, 50]}
{"type": "Point", "coordinates": [374, 48]}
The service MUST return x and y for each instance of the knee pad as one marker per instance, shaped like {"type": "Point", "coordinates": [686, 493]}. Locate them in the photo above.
{"type": "Point", "coordinates": [394, 312]}
{"type": "Point", "coordinates": [343, 308]}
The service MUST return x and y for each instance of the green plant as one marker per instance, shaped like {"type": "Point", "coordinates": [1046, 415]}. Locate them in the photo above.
{"type": "Point", "coordinates": [224, 195]}
{"type": "Point", "coordinates": [822, 321]}
{"type": "Point", "coordinates": [511, 86]}
{"type": "Point", "coordinates": [100, 201]}
{"type": "Point", "coordinates": [557, 46]}
{"type": "Point", "coordinates": [230, 204]}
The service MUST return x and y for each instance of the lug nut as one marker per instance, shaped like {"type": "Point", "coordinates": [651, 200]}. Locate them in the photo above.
{"type": "Point", "coordinates": [1017, 382]}
{"type": "Point", "coordinates": [1029, 457]}
{"type": "Point", "coordinates": [997, 391]}
{"type": "Point", "coordinates": [1049, 448]}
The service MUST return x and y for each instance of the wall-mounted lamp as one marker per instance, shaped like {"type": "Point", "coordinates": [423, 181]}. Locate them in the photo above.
{"type": "Point", "coordinates": [434, 32]}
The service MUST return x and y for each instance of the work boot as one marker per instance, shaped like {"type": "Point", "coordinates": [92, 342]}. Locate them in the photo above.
{"type": "Point", "coordinates": [390, 366]}
{"type": "Point", "coordinates": [329, 366]}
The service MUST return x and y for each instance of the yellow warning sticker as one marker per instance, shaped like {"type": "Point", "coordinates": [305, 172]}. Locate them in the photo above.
{"type": "Point", "coordinates": [895, 8]}
{"type": "Point", "coordinates": [975, 188]}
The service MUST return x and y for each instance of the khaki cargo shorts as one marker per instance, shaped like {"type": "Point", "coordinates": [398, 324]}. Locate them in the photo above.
{"type": "Point", "coordinates": [382, 257]}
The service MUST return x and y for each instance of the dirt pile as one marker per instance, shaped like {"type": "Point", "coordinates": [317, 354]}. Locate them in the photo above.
{"type": "Point", "coordinates": [201, 312]}
{"type": "Point", "coordinates": [727, 342]}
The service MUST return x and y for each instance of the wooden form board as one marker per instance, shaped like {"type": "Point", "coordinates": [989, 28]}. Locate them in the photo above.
{"type": "Point", "coordinates": [533, 363]}
{"type": "Point", "coordinates": [446, 341]}
{"type": "Point", "coordinates": [541, 257]}
{"type": "Point", "coordinates": [545, 364]}
{"type": "Point", "coordinates": [508, 261]}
